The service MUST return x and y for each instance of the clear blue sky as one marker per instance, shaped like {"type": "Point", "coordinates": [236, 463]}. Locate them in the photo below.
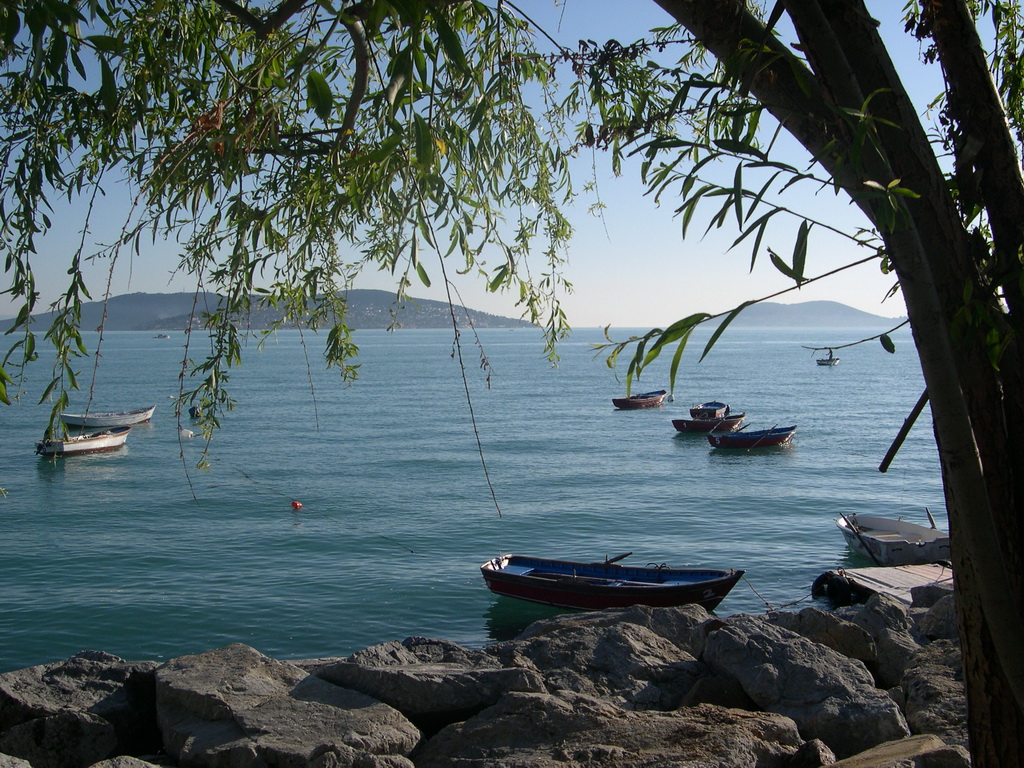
{"type": "Point", "coordinates": [630, 268]}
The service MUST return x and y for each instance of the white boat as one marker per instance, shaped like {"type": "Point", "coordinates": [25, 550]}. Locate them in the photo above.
{"type": "Point", "coordinates": [96, 420]}
{"type": "Point", "coordinates": [830, 360]}
{"type": "Point", "coordinates": [107, 440]}
{"type": "Point", "coordinates": [890, 542]}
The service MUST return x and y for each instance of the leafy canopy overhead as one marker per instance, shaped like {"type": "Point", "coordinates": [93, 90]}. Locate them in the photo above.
{"type": "Point", "coordinates": [284, 149]}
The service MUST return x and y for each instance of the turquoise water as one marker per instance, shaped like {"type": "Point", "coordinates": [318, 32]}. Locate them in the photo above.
{"type": "Point", "coordinates": [139, 554]}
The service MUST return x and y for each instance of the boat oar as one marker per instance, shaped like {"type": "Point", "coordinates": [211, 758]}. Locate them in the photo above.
{"type": "Point", "coordinates": [856, 532]}
{"type": "Point", "coordinates": [931, 519]}
{"type": "Point", "coordinates": [762, 437]}
{"type": "Point", "coordinates": [616, 559]}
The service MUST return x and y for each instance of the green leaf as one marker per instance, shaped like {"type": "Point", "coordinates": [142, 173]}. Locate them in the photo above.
{"type": "Point", "coordinates": [800, 251]}
{"type": "Point", "coordinates": [721, 328]}
{"type": "Point", "coordinates": [422, 273]}
{"type": "Point", "coordinates": [453, 50]}
{"type": "Point", "coordinates": [887, 343]}
{"type": "Point", "coordinates": [108, 87]}
{"type": "Point", "coordinates": [739, 147]}
{"type": "Point", "coordinates": [780, 265]}
{"type": "Point", "coordinates": [106, 43]}
{"type": "Point", "coordinates": [318, 95]}
{"type": "Point", "coordinates": [424, 142]}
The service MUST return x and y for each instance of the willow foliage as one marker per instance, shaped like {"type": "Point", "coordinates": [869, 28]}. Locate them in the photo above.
{"type": "Point", "coordinates": [284, 149]}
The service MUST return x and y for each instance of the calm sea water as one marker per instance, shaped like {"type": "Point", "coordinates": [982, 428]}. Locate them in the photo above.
{"type": "Point", "coordinates": [139, 554]}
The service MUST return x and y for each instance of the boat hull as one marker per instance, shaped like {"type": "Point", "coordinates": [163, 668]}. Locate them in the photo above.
{"type": "Point", "coordinates": [828, 361]}
{"type": "Point", "coordinates": [96, 442]}
{"type": "Point", "coordinates": [709, 410]}
{"type": "Point", "coordinates": [596, 586]}
{"type": "Point", "coordinates": [894, 542]}
{"type": "Point", "coordinates": [765, 438]}
{"type": "Point", "coordinates": [726, 424]}
{"type": "Point", "coordinates": [646, 400]}
{"type": "Point", "coordinates": [108, 420]}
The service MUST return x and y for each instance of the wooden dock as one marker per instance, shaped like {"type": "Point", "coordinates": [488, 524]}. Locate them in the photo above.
{"type": "Point", "coordinates": [899, 580]}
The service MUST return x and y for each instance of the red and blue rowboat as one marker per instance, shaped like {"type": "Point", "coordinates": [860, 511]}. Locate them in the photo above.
{"type": "Point", "coordinates": [600, 585]}
{"type": "Point", "coordinates": [761, 438]}
{"type": "Point", "coordinates": [646, 400]}
{"type": "Point", "coordinates": [724, 424]}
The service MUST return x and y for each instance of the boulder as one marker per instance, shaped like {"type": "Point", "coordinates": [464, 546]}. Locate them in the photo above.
{"type": "Point", "coordinates": [829, 630]}
{"type": "Point", "coordinates": [926, 595]}
{"type": "Point", "coordinates": [236, 707]}
{"type": "Point", "coordinates": [683, 626]}
{"type": "Point", "coordinates": [939, 622]}
{"type": "Point", "coordinates": [889, 623]}
{"type": "Point", "coordinates": [605, 655]}
{"type": "Point", "coordinates": [912, 752]}
{"type": "Point", "coordinates": [432, 682]}
{"type": "Point", "coordinates": [67, 740]}
{"type": "Point", "coordinates": [831, 697]}
{"type": "Point", "coordinates": [535, 730]}
{"type": "Point", "coordinates": [935, 699]}
{"type": "Point", "coordinates": [124, 761]}
{"type": "Point", "coordinates": [10, 761]}
{"type": "Point", "coordinates": [119, 692]}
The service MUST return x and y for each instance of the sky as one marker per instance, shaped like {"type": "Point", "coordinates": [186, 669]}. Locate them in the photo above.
{"type": "Point", "coordinates": [630, 268]}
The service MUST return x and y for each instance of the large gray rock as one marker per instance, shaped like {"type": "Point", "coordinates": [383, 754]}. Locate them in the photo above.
{"type": "Point", "coordinates": [235, 708]}
{"type": "Point", "coordinates": [939, 622]}
{"type": "Point", "coordinates": [935, 700]}
{"type": "Point", "coordinates": [889, 623]}
{"type": "Point", "coordinates": [10, 761]}
{"type": "Point", "coordinates": [829, 630]}
{"type": "Point", "coordinates": [101, 684]}
{"type": "Point", "coordinates": [544, 731]}
{"type": "Point", "coordinates": [432, 682]}
{"type": "Point", "coordinates": [683, 626]}
{"type": "Point", "coordinates": [67, 740]}
{"type": "Point", "coordinates": [606, 655]}
{"type": "Point", "coordinates": [831, 697]}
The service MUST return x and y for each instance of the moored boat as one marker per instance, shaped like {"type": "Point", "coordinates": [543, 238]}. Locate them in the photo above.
{"type": "Point", "coordinates": [646, 400]}
{"type": "Point", "coordinates": [893, 542]}
{"type": "Point", "coordinates": [710, 410]}
{"type": "Point", "coordinates": [107, 440]}
{"type": "Point", "coordinates": [728, 423]}
{"type": "Point", "coordinates": [600, 585]}
{"type": "Point", "coordinates": [104, 420]}
{"type": "Point", "coordinates": [760, 438]}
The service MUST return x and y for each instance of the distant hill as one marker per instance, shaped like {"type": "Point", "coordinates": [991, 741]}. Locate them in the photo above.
{"type": "Point", "coordinates": [809, 314]}
{"type": "Point", "coordinates": [367, 309]}
{"type": "Point", "coordinates": [370, 309]}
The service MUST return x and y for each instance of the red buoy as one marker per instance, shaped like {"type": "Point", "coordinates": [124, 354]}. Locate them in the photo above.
{"type": "Point", "coordinates": [296, 505]}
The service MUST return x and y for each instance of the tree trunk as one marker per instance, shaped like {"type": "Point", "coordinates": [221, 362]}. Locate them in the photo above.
{"type": "Point", "coordinates": [976, 406]}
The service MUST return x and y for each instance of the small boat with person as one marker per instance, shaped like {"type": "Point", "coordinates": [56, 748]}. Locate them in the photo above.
{"type": "Point", "coordinates": [729, 423]}
{"type": "Point", "coordinates": [605, 584]}
{"type": "Point", "coordinates": [106, 420]}
{"type": "Point", "coordinates": [891, 542]}
{"type": "Point", "coordinates": [645, 400]}
{"type": "Point", "coordinates": [94, 442]}
{"type": "Point", "coordinates": [830, 360]}
{"type": "Point", "coordinates": [759, 438]}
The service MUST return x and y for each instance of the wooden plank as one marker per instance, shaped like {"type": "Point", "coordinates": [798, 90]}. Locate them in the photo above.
{"type": "Point", "coordinates": [899, 580]}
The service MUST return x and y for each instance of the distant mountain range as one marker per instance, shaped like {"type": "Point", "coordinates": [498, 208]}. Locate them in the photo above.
{"type": "Point", "coordinates": [366, 309]}
{"type": "Point", "coordinates": [809, 314]}
{"type": "Point", "coordinates": [370, 309]}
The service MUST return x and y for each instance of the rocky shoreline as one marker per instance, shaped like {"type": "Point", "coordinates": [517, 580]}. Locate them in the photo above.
{"type": "Point", "coordinates": [872, 684]}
